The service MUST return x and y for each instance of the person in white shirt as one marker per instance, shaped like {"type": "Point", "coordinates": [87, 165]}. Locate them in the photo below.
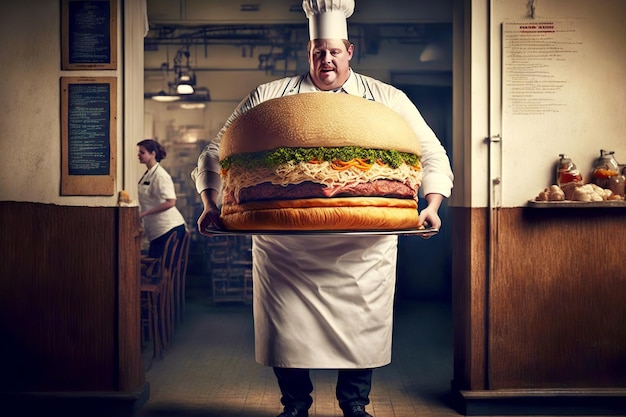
{"type": "Point", "coordinates": [318, 302]}
{"type": "Point", "coordinates": [157, 199]}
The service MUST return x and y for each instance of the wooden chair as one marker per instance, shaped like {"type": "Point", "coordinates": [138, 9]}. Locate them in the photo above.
{"type": "Point", "coordinates": [167, 293]}
{"type": "Point", "coordinates": [149, 311]}
{"type": "Point", "coordinates": [170, 295]}
{"type": "Point", "coordinates": [180, 279]}
{"type": "Point", "coordinates": [156, 278]}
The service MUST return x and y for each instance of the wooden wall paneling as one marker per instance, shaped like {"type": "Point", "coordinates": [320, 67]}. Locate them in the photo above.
{"type": "Point", "coordinates": [558, 310]}
{"type": "Point", "coordinates": [69, 310]}
{"type": "Point", "coordinates": [544, 333]}
{"type": "Point", "coordinates": [469, 297]}
{"type": "Point", "coordinates": [55, 290]}
{"type": "Point", "coordinates": [131, 372]}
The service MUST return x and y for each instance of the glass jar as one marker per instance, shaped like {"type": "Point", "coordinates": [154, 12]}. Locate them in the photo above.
{"type": "Point", "coordinates": [618, 185]}
{"type": "Point", "coordinates": [606, 173]}
{"type": "Point", "coordinates": [567, 171]}
{"type": "Point", "coordinates": [621, 180]}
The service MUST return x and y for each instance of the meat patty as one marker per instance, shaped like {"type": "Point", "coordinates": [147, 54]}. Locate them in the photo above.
{"type": "Point", "coordinates": [378, 188]}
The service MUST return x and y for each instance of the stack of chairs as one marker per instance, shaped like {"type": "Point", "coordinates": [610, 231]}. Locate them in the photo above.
{"type": "Point", "coordinates": [180, 281]}
{"type": "Point", "coordinates": [163, 282]}
{"type": "Point", "coordinates": [156, 281]}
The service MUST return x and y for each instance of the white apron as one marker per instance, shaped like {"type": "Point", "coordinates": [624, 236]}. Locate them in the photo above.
{"type": "Point", "coordinates": [324, 301]}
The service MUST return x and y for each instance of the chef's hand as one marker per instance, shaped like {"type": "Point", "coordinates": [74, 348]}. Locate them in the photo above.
{"type": "Point", "coordinates": [210, 217]}
{"type": "Point", "coordinates": [429, 216]}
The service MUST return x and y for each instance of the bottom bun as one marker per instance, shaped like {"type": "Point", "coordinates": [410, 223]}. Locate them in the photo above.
{"type": "Point", "coordinates": [350, 213]}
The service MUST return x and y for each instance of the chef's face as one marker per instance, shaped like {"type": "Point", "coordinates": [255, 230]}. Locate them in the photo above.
{"type": "Point", "coordinates": [329, 62]}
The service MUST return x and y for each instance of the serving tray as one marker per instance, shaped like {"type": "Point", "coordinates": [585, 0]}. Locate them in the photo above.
{"type": "Point", "coordinates": [419, 232]}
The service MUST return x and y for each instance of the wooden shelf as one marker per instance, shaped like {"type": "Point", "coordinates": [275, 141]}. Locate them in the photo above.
{"type": "Point", "coordinates": [577, 204]}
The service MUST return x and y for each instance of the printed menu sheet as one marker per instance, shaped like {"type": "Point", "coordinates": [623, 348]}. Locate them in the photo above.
{"type": "Point", "coordinates": [538, 58]}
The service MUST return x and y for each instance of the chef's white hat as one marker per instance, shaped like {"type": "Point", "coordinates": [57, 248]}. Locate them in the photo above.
{"type": "Point", "coordinates": [327, 18]}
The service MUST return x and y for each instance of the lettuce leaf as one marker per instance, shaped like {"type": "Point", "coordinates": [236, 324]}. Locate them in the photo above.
{"type": "Point", "coordinates": [278, 156]}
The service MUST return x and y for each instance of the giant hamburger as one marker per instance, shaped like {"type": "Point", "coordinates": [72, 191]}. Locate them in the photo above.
{"type": "Point", "coordinates": [320, 161]}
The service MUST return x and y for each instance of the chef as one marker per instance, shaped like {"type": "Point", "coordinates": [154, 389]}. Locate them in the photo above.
{"type": "Point", "coordinates": [320, 302]}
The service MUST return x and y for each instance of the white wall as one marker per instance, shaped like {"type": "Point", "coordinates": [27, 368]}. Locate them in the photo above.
{"type": "Point", "coordinates": [30, 161]}
{"type": "Point", "coordinates": [592, 120]}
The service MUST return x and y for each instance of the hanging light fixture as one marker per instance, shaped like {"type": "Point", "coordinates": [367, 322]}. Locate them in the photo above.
{"type": "Point", "coordinates": [166, 95]}
{"type": "Point", "coordinates": [185, 77]}
{"type": "Point", "coordinates": [182, 87]}
{"type": "Point", "coordinates": [185, 84]}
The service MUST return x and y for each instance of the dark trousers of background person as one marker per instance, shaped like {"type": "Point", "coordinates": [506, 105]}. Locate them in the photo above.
{"type": "Point", "coordinates": [353, 387]}
{"type": "Point", "coordinates": [157, 246]}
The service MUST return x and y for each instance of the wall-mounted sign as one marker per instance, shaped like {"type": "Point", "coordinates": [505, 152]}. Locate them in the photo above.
{"type": "Point", "coordinates": [537, 62]}
{"type": "Point", "coordinates": [88, 135]}
{"type": "Point", "coordinates": [89, 34]}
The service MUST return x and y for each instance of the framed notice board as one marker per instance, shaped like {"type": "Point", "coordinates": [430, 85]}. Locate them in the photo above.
{"type": "Point", "coordinates": [88, 135]}
{"type": "Point", "coordinates": [89, 34]}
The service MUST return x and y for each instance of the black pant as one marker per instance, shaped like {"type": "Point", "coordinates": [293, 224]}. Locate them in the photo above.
{"type": "Point", "coordinates": [353, 387]}
{"type": "Point", "coordinates": [157, 245]}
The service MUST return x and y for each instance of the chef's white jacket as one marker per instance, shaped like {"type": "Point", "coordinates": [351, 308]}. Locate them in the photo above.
{"type": "Point", "coordinates": [327, 301]}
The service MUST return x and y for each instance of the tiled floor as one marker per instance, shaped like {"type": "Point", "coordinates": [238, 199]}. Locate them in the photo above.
{"type": "Point", "coordinates": [210, 369]}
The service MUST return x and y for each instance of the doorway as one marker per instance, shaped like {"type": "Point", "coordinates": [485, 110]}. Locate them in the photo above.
{"type": "Point", "coordinates": [425, 266]}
